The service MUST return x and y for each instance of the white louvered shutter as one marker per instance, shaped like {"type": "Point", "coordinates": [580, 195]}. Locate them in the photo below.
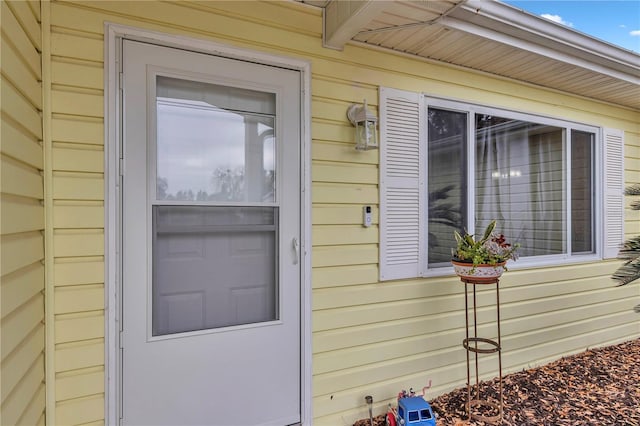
{"type": "Point", "coordinates": [613, 191]}
{"type": "Point", "coordinates": [402, 197]}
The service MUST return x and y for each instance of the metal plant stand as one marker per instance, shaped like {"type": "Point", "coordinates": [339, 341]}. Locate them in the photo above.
{"type": "Point", "coordinates": [489, 347]}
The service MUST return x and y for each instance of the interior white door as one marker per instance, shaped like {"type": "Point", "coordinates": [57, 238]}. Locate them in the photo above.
{"type": "Point", "coordinates": [210, 296]}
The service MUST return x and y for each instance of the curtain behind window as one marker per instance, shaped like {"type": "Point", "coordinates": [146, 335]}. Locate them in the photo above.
{"type": "Point", "coordinates": [520, 182]}
{"type": "Point", "coordinates": [447, 177]}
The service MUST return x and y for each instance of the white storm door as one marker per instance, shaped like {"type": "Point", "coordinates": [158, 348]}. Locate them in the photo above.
{"type": "Point", "coordinates": [210, 296]}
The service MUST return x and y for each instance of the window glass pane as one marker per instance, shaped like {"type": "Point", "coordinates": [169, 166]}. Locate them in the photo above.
{"type": "Point", "coordinates": [214, 143]}
{"type": "Point", "coordinates": [213, 267]}
{"type": "Point", "coordinates": [447, 177]}
{"type": "Point", "coordinates": [582, 145]}
{"type": "Point", "coordinates": [425, 414]}
{"type": "Point", "coordinates": [520, 181]}
{"type": "Point", "coordinates": [413, 416]}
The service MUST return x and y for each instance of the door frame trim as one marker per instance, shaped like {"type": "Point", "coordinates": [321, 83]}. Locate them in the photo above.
{"type": "Point", "coordinates": [114, 34]}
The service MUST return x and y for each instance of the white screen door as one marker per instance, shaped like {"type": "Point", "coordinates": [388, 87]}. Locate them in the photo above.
{"type": "Point", "coordinates": [210, 296]}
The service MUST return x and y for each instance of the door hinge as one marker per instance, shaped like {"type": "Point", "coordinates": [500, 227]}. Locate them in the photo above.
{"type": "Point", "coordinates": [121, 167]}
{"type": "Point", "coordinates": [120, 80]}
{"type": "Point", "coordinates": [121, 339]}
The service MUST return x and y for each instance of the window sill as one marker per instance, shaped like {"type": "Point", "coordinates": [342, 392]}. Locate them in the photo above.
{"type": "Point", "coordinates": [527, 263]}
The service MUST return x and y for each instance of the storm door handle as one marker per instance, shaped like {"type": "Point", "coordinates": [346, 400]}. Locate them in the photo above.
{"type": "Point", "coordinates": [296, 250]}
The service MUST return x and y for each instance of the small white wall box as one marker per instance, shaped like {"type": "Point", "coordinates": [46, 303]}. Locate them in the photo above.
{"type": "Point", "coordinates": [366, 216]}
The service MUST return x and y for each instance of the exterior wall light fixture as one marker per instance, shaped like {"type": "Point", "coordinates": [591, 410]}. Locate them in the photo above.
{"type": "Point", "coordinates": [365, 122]}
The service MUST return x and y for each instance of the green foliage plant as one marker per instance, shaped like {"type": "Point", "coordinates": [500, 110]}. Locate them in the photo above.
{"type": "Point", "coordinates": [630, 252]}
{"type": "Point", "coordinates": [491, 249]}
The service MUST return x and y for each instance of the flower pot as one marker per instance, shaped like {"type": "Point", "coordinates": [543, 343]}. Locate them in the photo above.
{"type": "Point", "coordinates": [478, 273]}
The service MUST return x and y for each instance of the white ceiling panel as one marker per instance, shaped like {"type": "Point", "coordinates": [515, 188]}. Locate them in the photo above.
{"type": "Point", "coordinates": [499, 39]}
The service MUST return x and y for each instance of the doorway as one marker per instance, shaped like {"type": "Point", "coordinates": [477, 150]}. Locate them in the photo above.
{"type": "Point", "coordinates": [210, 299]}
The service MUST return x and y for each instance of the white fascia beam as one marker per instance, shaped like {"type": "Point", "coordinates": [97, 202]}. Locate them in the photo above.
{"type": "Point", "coordinates": [519, 43]}
{"type": "Point", "coordinates": [342, 20]}
{"type": "Point", "coordinates": [561, 39]}
{"type": "Point", "coordinates": [553, 31]}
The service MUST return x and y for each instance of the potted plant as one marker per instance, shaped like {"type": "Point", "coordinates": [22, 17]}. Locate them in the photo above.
{"type": "Point", "coordinates": [483, 259]}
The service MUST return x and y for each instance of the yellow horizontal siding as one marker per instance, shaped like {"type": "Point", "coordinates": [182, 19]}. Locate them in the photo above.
{"type": "Point", "coordinates": [20, 214]}
{"type": "Point", "coordinates": [24, 14]}
{"type": "Point", "coordinates": [369, 337]}
{"type": "Point", "coordinates": [632, 176]}
{"type": "Point", "coordinates": [77, 46]}
{"type": "Point", "coordinates": [343, 401]}
{"type": "Point", "coordinates": [397, 347]}
{"type": "Point", "coordinates": [17, 35]}
{"type": "Point", "coordinates": [34, 415]}
{"type": "Point", "coordinates": [76, 102]}
{"type": "Point", "coordinates": [330, 110]}
{"type": "Point", "coordinates": [20, 144]}
{"type": "Point", "coordinates": [331, 340]}
{"type": "Point", "coordinates": [341, 152]}
{"type": "Point", "coordinates": [69, 214]}
{"type": "Point", "coordinates": [407, 364]}
{"type": "Point", "coordinates": [22, 388]}
{"type": "Point", "coordinates": [227, 26]}
{"type": "Point", "coordinates": [16, 106]}
{"type": "Point", "coordinates": [20, 323]}
{"type": "Point", "coordinates": [80, 410]}
{"type": "Point", "coordinates": [339, 214]}
{"type": "Point", "coordinates": [334, 132]}
{"type": "Point", "coordinates": [77, 74]}
{"type": "Point", "coordinates": [632, 145]}
{"type": "Point", "coordinates": [343, 275]}
{"type": "Point", "coordinates": [77, 355]}
{"type": "Point", "coordinates": [78, 186]}
{"type": "Point", "coordinates": [343, 193]}
{"type": "Point", "coordinates": [79, 298]}
{"type": "Point", "coordinates": [75, 242]}
{"type": "Point", "coordinates": [344, 255]}
{"type": "Point", "coordinates": [30, 385]}
{"type": "Point", "coordinates": [344, 173]}
{"type": "Point", "coordinates": [78, 327]}
{"type": "Point", "coordinates": [75, 271]}
{"type": "Point", "coordinates": [21, 360]}
{"type": "Point", "coordinates": [77, 383]}
{"type": "Point", "coordinates": [325, 86]}
{"type": "Point", "coordinates": [343, 234]}
{"type": "Point", "coordinates": [20, 179]}
{"type": "Point", "coordinates": [21, 286]}
{"type": "Point", "coordinates": [265, 13]}
{"type": "Point", "coordinates": [78, 158]}
{"type": "Point", "coordinates": [387, 311]}
{"type": "Point", "coordinates": [83, 130]}
{"type": "Point", "coordinates": [573, 344]}
{"type": "Point", "coordinates": [19, 73]}
{"type": "Point", "coordinates": [21, 250]}
{"type": "Point", "coordinates": [448, 344]}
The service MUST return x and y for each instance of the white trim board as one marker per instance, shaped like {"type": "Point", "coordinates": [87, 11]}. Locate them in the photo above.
{"type": "Point", "coordinates": [114, 33]}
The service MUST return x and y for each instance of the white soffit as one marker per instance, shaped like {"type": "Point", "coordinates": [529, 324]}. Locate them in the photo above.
{"type": "Point", "coordinates": [492, 37]}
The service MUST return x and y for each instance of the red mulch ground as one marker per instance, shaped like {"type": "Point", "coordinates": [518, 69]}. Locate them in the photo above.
{"type": "Point", "coordinates": [597, 387]}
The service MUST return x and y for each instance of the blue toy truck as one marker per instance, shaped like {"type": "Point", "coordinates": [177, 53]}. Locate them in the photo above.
{"type": "Point", "coordinates": [412, 411]}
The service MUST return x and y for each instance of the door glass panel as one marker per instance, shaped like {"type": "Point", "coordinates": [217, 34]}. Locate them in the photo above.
{"type": "Point", "coordinates": [214, 143]}
{"type": "Point", "coordinates": [213, 267]}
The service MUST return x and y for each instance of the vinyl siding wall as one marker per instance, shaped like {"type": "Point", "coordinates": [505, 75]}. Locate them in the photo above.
{"type": "Point", "coordinates": [368, 337]}
{"type": "Point", "coordinates": [22, 225]}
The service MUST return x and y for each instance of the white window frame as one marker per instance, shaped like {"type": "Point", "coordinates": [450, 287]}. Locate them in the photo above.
{"type": "Point", "coordinates": [607, 203]}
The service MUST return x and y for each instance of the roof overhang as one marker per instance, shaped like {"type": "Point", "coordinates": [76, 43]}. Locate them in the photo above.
{"type": "Point", "coordinates": [492, 37]}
